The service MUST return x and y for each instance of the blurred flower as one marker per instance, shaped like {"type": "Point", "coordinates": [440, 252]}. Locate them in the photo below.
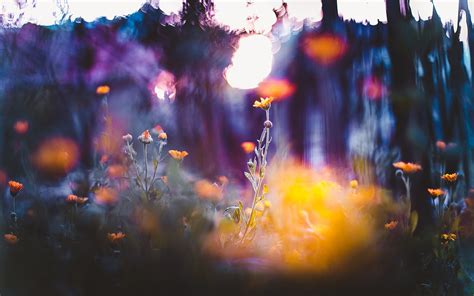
{"type": "Point", "coordinates": [102, 90]}
{"type": "Point", "coordinates": [447, 237]}
{"type": "Point", "coordinates": [164, 179]}
{"type": "Point", "coordinates": [157, 130]}
{"type": "Point", "coordinates": [115, 237]}
{"type": "Point", "coordinates": [267, 204]}
{"type": "Point", "coordinates": [223, 180]}
{"type": "Point", "coordinates": [207, 191]}
{"type": "Point", "coordinates": [127, 138]}
{"type": "Point", "coordinates": [56, 156]}
{"type": "Point", "coordinates": [116, 171]}
{"type": "Point", "coordinates": [407, 167]}
{"type": "Point", "coordinates": [106, 196]}
{"type": "Point", "coordinates": [276, 88]}
{"type": "Point", "coordinates": [71, 198]}
{"type": "Point", "coordinates": [21, 127]}
{"type": "Point", "coordinates": [145, 137]}
{"type": "Point", "coordinates": [15, 187]}
{"type": "Point", "coordinates": [391, 225]}
{"type": "Point", "coordinates": [325, 48]}
{"type": "Point", "coordinates": [450, 177]}
{"type": "Point", "coordinates": [178, 155]}
{"type": "Point", "coordinates": [436, 192]}
{"type": "Point", "coordinates": [164, 86]}
{"type": "Point", "coordinates": [354, 184]}
{"type": "Point", "coordinates": [163, 136]}
{"type": "Point", "coordinates": [103, 159]}
{"type": "Point", "coordinates": [373, 88]}
{"type": "Point", "coordinates": [11, 238]}
{"type": "Point", "coordinates": [440, 145]}
{"type": "Point", "coordinates": [264, 103]}
{"type": "Point", "coordinates": [248, 147]}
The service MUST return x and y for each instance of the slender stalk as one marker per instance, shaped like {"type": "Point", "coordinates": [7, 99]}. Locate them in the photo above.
{"type": "Point", "coordinates": [145, 150]}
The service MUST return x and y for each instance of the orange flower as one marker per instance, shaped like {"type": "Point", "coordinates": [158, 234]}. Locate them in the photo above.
{"type": "Point", "coordinates": [450, 177]}
{"type": "Point", "coordinates": [440, 145]}
{"type": "Point", "coordinates": [115, 171]}
{"type": "Point", "coordinates": [145, 137]}
{"type": "Point", "coordinates": [157, 130]}
{"type": "Point", "coordinates": [223, 180]}
{"type": "Point", "coordinates": [163, 136]}
{"type": "Point", "coordinates": [248, 147]}
{"type": "Point", "coordinates": [115, 237]}
{"type": "Point", "coordinates": [391, 225]}
{"type": "Point", "coordinates": [102, 90]}
{"type": "Point", "coordinates": [15, 187]}
{"type": "Point", "coordinates": [436, 192]}
{"type": "Point", "coordinates": [21, 127]}
{"type": "Point", "coordinates": [71, 198]}
{"type": "Point", "coordinates": [265, 103]}
{"type": "Point", "coordinates": [208, 191]}
{"type": "Point", "coordinates": [407, 167]}
{"type": "Point", "coordinates": [325, 48]}
{"type": "Point", "coordinates": [11, 238]}
{"type": "Point", "coordinates": [103, 159]}
{"type": "Point", "coordinates": [106, 196]}
{"type": "Point", "coordinates": [178, 155]}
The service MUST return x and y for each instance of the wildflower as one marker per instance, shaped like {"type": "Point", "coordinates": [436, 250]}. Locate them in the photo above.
{"type": "Point", "coordinates": [264, 103]}
{"type": "Point", "coordinates": [450, 177]}
{"type": "Point", "coordinates": [440, 145]}
{"type": "Point", "coordinates": [178, 155]}
{"type": "Point", "coordinates": [436, 192]}
{"type": "Point", "coordinates": [106, 196]}
{"type": "Point", "coordinates": [102, 90]}
{"type": "Point", "coordinates": [248, 147]}
{"type": "Point", "coordinates": [354, 184]}
{"type": "Point", "coordinates": [163, 136]}
{"type": "Point", "coordinates": [115, 237]}
{"type": "Point", "coordinates": [21, 127]}
{"type": "Point", "coordinates": [207, 191]}
{"type": "Point", "coordinates": [145, 137]}
{"type": "Point", "coordinates": [15, 187]}
{"type": "Point", "coordinates": [103, 159]}
{"type": "Point", "coordinates": [127, 138]}
{"type": "Point", "coordinates": [223, 180]}
{"type": "Point", "coordinates": [71, 198]}
{"type": "Point", "coordinates": [11, 238]}
{"type": "Point", "coordinates": [115, 171]}
{"type": "Point", "coordinates": [391, 225]}
{"type": "Point", "coordinates": [157, 130]}
{"type": "Point", "coordinates": [407, 167]}
{"type": "Point", "coordinates": [448, 237]}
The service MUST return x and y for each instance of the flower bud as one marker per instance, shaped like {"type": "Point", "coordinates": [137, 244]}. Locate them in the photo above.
{"type": "Point", "coordinates": [268, 124]}
{"type": "Point", "coordinates": [127, 138]}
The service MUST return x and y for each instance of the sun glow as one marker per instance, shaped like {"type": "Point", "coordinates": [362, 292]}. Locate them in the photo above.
{"type": "Point", "coordinates": [251, 63]}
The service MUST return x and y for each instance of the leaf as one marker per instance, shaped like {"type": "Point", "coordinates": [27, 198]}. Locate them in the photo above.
{"type": "Point", "coordinates": [413, 221]}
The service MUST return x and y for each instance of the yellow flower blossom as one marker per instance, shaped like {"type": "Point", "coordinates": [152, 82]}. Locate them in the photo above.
{"type": "Point", "coordinates": [264, 103]}
{"type": "Point", "coordinates": [450, 177]}
{"type": "Point", "coordinates": [178, 155]}
{"type": "Point", "coordinates": [436, 192]}
{"type": "Point", "coordinates": [407, 167]}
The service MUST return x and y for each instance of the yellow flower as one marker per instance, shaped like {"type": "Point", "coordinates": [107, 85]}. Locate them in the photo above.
{"type": "Point", "coordinates": [447, 237]}
{"type": "Point", "coordinates": [391, 225]}
{"type": "Point", "coordinates": [450, 177]}
{"type": "Point", "coordinates": [178, 155]}
{"type": "Point", "coordinates": [264, 103]}
{"type": "Point", "coordinates": [435, 192]}
{"type": "Point", "coordinates": [407, 167]}
{"type": "Point", "coordinates": [354, 184]}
